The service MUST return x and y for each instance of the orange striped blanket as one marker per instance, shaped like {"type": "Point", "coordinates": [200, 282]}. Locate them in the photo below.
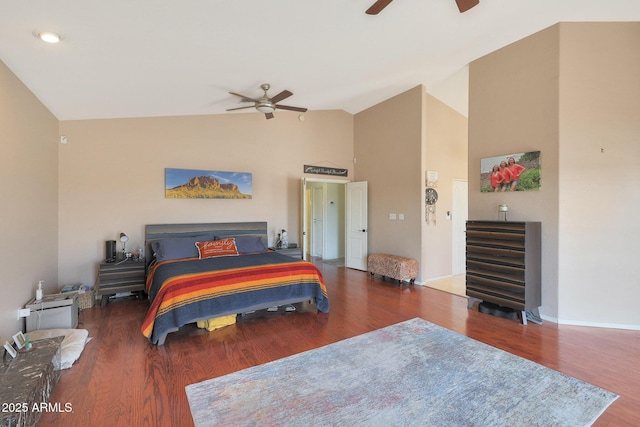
{"type": "Point", "coordinates": [189, 290]}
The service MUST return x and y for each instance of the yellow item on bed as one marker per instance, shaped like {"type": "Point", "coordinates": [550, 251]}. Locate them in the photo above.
{"type": "Point", "coordinates": [217, 322]}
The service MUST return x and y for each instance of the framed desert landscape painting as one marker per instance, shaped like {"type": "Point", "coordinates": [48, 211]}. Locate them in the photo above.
{"type": "Point", "coordinates": [510, 172]}
{"type": "Point", "coordinates": [206, 184]}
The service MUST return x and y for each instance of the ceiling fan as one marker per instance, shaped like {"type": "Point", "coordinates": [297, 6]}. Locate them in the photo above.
{"type": "Point", "coordinates": [267, 105]}
{"type": "Point", "coordinates": [463, 6]}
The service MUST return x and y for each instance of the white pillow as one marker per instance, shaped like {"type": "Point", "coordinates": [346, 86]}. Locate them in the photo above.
{"type": "Point", "coordinates": [72, 344]}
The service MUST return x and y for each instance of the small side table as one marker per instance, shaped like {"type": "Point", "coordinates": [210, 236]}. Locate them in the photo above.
{"type": "Point", "coordinates": [27, 382]}
{"type": "Point", "coordinates": [53, 311]}
{"type": "Point", "coordinates": [116, 277]}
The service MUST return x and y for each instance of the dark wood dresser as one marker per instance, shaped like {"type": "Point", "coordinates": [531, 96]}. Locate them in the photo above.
{"type": "Point", "coordinates": [503, 264]}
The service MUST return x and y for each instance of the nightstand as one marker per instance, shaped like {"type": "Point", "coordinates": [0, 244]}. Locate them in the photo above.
{"type": "Point", "coordinates": [53, 311]}
{"type": "Point", "coordinates": [114, 277]}
{"type": "Point", "coordinates": [292, 252]}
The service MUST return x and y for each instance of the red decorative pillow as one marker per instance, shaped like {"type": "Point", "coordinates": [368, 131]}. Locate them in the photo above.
{"type": "Point", "coordinates": [213, 248]}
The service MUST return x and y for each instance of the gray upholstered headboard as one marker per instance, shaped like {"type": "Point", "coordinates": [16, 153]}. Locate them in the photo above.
{"type": "Point", "coordinates": [167, 231]}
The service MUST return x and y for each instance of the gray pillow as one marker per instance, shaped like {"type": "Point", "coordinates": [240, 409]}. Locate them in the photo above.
{"type": "Point", "coordinates": [178, 248]}
{"type": "Point", "coordinates": [247, 244]}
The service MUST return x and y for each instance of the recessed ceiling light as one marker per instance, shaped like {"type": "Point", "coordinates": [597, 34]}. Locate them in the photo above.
{"type": "Point", "coordinates": [49, 37]}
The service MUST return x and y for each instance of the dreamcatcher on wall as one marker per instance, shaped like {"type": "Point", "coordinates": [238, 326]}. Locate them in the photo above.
{"type": "Point", "coordinates": [430, 197]}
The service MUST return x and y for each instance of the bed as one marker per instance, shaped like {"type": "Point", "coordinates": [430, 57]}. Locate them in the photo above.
{"type": "Point", "coordinates": [198, 272]}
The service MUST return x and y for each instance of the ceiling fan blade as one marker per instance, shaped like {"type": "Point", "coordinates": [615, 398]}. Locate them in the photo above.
{"type": "Point", "coordinates": [287, 107]}
{"type": "Point", "coordinates": [268, 115]}
{"type": "Point", "coordinates": [377, 7]}
{"type": "Point", "coordinates": [282, 95]}
{"type": "Point", "coordinates": [240, 108]}
{"type": "Point", "coordinates": [464, 5]}
{"type": "Point", "coordinates": [244, 97]}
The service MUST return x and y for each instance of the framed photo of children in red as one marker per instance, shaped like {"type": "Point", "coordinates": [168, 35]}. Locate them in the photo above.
{"type": "Point", "coordinates": [510, 172]}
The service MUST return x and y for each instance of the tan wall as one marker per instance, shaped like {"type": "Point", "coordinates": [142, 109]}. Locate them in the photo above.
{"type": "Point", "coordinates": [112, 175]}
{"type": "Point", "coordinates": [396, 142]}
{"type": "Point", "coordinates": [513, 108]}
{"type": "Point", "coordinates": [569, 91]}
{"type": "Point", "coordinates": [445, 152]}
{"type": "Point", "coordinates": [599, 193]}
{"type": "Point", "coordinates": [387, 144]}
{"type": "Point", "coordinates": [29, 194]}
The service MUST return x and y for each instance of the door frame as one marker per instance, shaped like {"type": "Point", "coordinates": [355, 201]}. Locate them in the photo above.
{"type": "Point", "coordinates": [459, 220]}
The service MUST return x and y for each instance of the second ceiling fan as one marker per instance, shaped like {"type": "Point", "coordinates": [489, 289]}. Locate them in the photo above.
{"type": "Point", "coordinates": [267, 105]}
{"type": "Point", "coordinates": [463, 6]}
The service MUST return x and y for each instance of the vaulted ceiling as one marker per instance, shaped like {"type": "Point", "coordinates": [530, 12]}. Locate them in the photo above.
{"type": "Point", "coordinates": [146, 58]}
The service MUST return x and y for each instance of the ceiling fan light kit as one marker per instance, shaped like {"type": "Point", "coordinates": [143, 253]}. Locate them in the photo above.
{"type": "Point", "coordinates": [267, 105]}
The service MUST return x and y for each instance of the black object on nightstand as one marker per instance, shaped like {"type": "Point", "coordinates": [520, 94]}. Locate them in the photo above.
{"type": "Point", "coordinates": [113, 278]}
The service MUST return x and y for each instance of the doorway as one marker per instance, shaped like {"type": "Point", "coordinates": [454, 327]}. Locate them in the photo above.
{"type": "Point", "coordinates": [323, 225]}
{"type": "Point", "coordinates": [340, 210]}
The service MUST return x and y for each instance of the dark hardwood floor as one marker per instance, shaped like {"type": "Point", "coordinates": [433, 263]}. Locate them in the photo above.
{"type": "Point", "coordinates": [122, 380]}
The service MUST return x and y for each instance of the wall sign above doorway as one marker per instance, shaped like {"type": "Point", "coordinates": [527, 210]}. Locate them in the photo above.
{"type": "Point", "coordinates": [321, 170]}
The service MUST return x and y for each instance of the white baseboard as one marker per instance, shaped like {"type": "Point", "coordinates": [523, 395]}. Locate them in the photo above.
{"type": "Point", "coordinates": [591, 324]}
{"type": "Point", "coordinates": [599, 325]}
{"type": "Point", "coordinates": [435, 279]}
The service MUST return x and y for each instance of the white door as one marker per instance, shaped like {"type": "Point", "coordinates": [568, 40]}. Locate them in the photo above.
{"type": "Point", "coordinates": [317, 220]}
{"type": "Point", "coordinates": [356, 225]}
{"type": "Point", "coordinates": [304, 220]}
{"type": "Point", "coordinates": [459, 216]}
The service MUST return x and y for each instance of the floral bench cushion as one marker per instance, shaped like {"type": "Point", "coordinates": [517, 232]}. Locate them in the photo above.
{"type": "Point", "coordinates": [393, 266]}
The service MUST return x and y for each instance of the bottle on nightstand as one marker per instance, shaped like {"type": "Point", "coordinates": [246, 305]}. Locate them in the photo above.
{"type": "Point", "coordinates": [39, 291]}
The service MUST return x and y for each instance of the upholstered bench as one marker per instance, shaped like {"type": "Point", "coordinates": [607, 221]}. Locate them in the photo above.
{"type": "Point", "coordinates": [396, 267]}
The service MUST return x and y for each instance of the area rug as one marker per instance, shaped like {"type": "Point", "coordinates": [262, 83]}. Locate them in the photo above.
{"type": "Point", "coordinates": [413, 373]}
{"type": "Point", "coordinates": [338, 262]}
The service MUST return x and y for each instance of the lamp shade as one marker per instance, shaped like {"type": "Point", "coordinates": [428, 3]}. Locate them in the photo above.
{"type": "Point", "coordinates": [123, 238]}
